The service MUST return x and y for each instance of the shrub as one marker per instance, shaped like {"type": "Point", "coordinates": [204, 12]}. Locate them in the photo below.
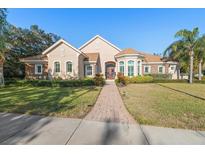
{"type": "Point", "coordinates": [121, 79]}
{"type": "Point", "coordinates": [199, 81]}
{"type": "Point", "coordinates": [170, 81]}
{"type": "Point", "coordinates": [99, 80]}
{"type": "Point", "coordinates": [161, 76]}
{"type": "Point", "coordinates": [140, 79]}
{"type": "Point", "coordinates": [53, 83]}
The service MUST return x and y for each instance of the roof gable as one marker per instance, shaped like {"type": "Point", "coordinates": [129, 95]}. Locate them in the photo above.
{"type": "Point", "coordinates": [98, 36]}
{"type": "Point", "coordinates": [59, 42]}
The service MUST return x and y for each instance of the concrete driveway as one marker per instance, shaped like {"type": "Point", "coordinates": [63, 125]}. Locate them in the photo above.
{"type": "Point", "coordinates": [25, 129]}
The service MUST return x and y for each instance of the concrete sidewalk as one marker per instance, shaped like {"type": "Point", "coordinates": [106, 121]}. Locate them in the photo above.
{"type": "Point", "coordinates": [24, 129]}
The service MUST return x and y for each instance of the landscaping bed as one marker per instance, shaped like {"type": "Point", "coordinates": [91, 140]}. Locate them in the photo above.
{"type": "Point", "coordinates": [74, 102]}
{"type": "Point", "coordinates": [153, 104]}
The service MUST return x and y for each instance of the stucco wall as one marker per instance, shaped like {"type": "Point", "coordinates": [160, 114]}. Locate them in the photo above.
{"type": "Point", "coordinates": [154, 68]}
{"type": "Point", "coordinates": [167, 70]}
{"type": "Point", "coordinates": [106, 51]}
{"type": "Point", "coordinates": [63, 53]}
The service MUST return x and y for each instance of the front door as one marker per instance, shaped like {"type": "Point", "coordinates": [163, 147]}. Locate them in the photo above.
{"type": "Point", "coordinates": [110, 73]}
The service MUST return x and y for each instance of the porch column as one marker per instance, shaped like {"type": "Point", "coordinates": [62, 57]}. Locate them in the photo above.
{"type": "Point", "coordinates": [136, 67]}
{"type": "Point", "coordinates": [126, 70]}
{"type": "Point", "coordinates": [139, 67]}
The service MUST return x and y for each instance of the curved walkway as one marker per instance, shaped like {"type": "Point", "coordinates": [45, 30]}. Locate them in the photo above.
{"type": "Point", "coordinates": [110, 107]}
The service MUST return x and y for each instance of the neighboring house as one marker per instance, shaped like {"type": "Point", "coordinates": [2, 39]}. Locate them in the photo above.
{"type": "Point", "coordinates": [95, 56]}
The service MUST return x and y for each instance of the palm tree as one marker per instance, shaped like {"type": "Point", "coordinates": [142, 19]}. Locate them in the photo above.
{"type": "Point", "coordinates": [185, 46]}
{"type": "Point", "coordinates": [200, 54]}
{"type": "Point", "coordinates": [176, 52]}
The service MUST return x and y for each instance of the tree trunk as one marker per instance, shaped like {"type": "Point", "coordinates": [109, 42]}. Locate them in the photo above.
{"type": "Point", "coordinates": [200, 69]}
{"type": "Point", "coordinates": [191, 66]}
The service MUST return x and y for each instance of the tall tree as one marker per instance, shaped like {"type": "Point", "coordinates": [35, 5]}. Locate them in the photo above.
{"type": "Point", "coordinates": [3, 23]}
{"type": "Point", "coordinates": [200, 54]}
{"type": "Point", "coordinates": [176, 52]}
{"type": "Point", "coordinates": [188, 40]}
{"type": "Point", "coordinates": [25, 42]}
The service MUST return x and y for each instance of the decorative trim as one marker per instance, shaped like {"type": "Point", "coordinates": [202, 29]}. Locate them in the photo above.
{"type": "Point", "coordinates": [149, 68]}
{"type": "Point", "coordinates": [90, 62]}
{"type": "Point", "coordinates": [159, 63]}
{"type": "Point", "coordinates": [54, 72]}
{"type": "Point", "coordinates": [66, 43]}
{"type": "Point", "coordinates": [86, 70]}
{"type": "Point", "coordinates": [130, 55]}
{"type": "Point", "coordinates": [66, 67]}
{"type": "Point", "coordinates": [98, 36]}
{"type": "Point", "coordinates": [163, 69]}
{"type": "Point", "coordinates": [34, 60]}
{"type": "Point", "coordinates": [36, 69]}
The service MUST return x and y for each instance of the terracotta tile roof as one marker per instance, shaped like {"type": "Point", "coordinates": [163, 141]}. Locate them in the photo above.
{"type": "Point", "coordinates": [92, 56]}
{"type": "Point", "coordinates": [127, 51]}
{"type": "Point", "coordinates": [147, 57]}
{"type": "Point", "coordinates": [152, 58]}
{"type": "Point", "coordinates": [31, 58]}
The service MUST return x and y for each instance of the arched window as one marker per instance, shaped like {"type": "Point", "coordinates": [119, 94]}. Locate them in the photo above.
{"type": "Point", "coordinates": [69, 67]}
{"type": "Point", "coordinates": [57, 67]}
{"type": "Point", "coordinates": [122, 67]}
{"type": "Point", "coordinates": [130, 68]}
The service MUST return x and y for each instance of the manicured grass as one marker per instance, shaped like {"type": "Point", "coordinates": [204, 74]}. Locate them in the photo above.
{"type": "Point", "coordinates": [155, 105]}
{"type": "Point", "coordinates": [55, 101]}
{"type": "Point", "coordinates": [193, 89]}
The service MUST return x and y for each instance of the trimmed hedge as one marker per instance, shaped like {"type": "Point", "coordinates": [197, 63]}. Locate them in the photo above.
{"type": "Point", "coordinates": [139, 79]}
{"type": "Point", "coordinates": [161, 76]}
{"type": "Point", "coordinates": [122, 80]}
{"type": "Point", "coordinates": [169, 81]}
{"type": "Point", "coordinates": [53, 83]}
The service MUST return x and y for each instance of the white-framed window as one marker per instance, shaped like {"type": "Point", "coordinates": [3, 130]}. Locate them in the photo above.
{"type": "Point", "coordinates": [172, 68]}
{"type": "Point", "coordinates": [122, 67]}
{"type": "Point", "coordinates": [161, 69]}
{"type": "Point", "coordinates": [88, 70]}
{"type": "Point", "coordinates": [57, 67]}
{"type": "Point", "coordinates": [38, 68]}
{"type": "Point", "coordinates": [130, 68]}
{"type": "Point", "coordinates": [69, 67]}
{"type": "Point", "coordinates": [147, 69]}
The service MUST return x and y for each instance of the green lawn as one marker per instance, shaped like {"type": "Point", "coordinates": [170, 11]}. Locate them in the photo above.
{"type": "Point", "coordinates": [194, 89]}
{"type": "Point", "coordinates": [155, 105]}
{"type": "Point", "coordinates": [56, 101]}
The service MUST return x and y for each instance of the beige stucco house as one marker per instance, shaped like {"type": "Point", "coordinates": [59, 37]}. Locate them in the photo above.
{"type": "Point", "coordinates": [95, 56]}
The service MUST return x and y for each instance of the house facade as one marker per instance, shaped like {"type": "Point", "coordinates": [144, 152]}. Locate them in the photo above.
{"type": "Point", "coordinates": [95, 56]}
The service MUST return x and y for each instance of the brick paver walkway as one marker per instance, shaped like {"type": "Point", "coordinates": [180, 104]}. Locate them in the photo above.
{"type": "Point", "coordinates": [109, 106]}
